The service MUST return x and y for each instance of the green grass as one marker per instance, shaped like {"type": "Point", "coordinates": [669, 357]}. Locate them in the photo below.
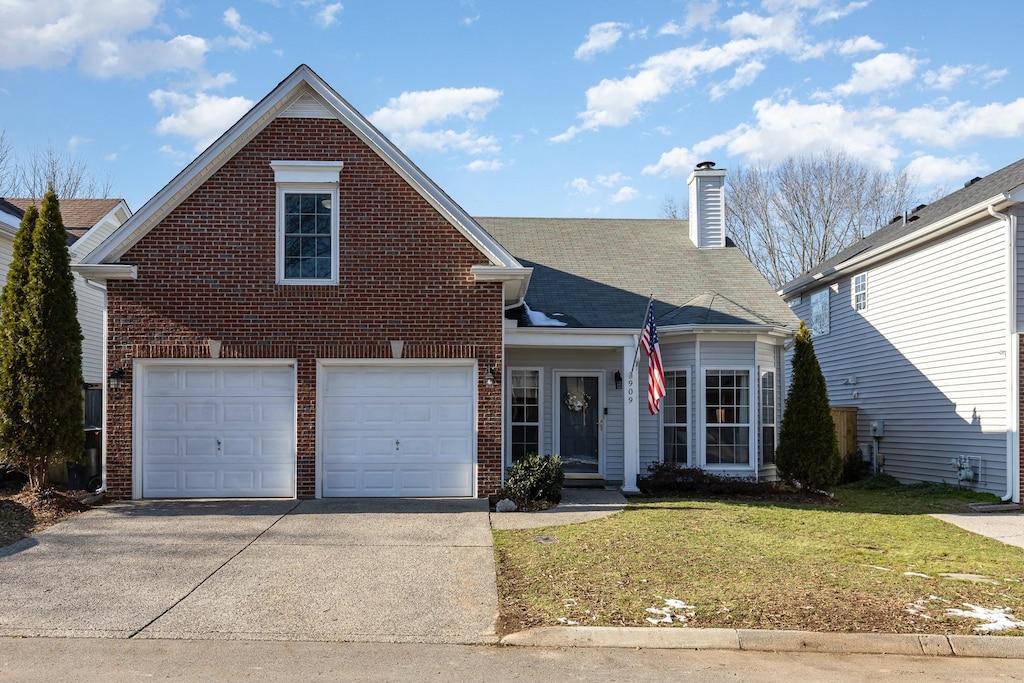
{"type": "Point", "coordinates": [762, 565]}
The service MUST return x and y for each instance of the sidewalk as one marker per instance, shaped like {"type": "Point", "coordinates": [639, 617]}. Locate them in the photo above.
{"type": "Point", "coordinates": [584, 505]}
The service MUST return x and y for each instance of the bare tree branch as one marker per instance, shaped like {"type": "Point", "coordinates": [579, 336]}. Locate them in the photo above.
{"type": "Point", "coordinates": [791, 216]}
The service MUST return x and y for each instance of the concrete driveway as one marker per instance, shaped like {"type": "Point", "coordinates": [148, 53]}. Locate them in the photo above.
{"type": "Point", "coordinates": [393, 570]}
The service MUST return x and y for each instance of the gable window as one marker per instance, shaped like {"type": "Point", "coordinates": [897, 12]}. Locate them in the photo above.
{"type": "Point", "coordinates": [860, 292]}
{"type": "Point", "coordinates": [307, 222]}
{"type": "Point", "coordinates": [768, 418]}
{"type": "Point", "coordinates": [820, 312]}
{"type": "Point", "coordinates": [524, 427]}
{"type": "Point", "coordinates": [674, 408]}
{"type": "Point", "coordinates": [727, 418]}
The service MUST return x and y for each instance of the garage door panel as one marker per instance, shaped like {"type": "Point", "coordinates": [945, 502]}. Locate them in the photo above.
{"type": "Point", "coordinates": [397, 431]}
{"type": "Point", "coordinates": [218, 431]}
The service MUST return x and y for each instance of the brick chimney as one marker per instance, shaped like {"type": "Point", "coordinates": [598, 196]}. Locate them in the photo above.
{"type": "Point", "coordinates": [707, 206]}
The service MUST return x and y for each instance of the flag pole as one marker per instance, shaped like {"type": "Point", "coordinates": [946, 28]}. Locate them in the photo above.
{"type": "Point", "coordinates": [647, 310]}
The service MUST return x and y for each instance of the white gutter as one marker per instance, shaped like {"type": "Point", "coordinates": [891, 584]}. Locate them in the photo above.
{"type": "Point", "coordinates": [518, 280]}
{"type": "Point", "coordinates": [890, 249]}
{"type": "Point", "coordinates": [1012, 358]}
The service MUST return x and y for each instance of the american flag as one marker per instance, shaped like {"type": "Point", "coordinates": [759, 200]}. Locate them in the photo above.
{"type": "Point", "coordinates": [655, 371]}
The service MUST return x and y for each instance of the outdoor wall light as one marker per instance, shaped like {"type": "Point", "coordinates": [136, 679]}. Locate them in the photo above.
{"type": "Point", "coordinates": [618, 379]}
{"type": "Point", "coordinates": [114, 380]}
{"type": "Point", "coordinates": [489, 377]}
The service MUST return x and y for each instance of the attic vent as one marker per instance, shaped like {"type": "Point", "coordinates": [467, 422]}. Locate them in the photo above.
{"type": "Point", "coordinates": [972, 181]}
{"type": "Point", "coordinates": [306, 107]}
{"type": "Point", "coordinates": [913, 218]}
{"type": "Point", "coordinates": [919, 207]}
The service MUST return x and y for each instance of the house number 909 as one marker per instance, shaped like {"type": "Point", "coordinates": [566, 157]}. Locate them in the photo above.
{"type": "Point", "coordinates": [630, 390]}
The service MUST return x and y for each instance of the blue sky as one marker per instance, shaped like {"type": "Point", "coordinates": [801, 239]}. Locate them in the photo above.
{"type": "Point", "coordinates": [530, 107]}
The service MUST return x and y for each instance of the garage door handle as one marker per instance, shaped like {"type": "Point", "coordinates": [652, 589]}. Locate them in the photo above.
{"type": "Point", "coordinates": [396, 444]}
{"type": "Point", "coordinates": [218, 444]}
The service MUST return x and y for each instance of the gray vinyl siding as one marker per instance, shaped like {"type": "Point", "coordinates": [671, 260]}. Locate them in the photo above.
{"type": "Point", "coordinates": [927, 357]}
{"type": "Point", "coordinates": [551, 361]}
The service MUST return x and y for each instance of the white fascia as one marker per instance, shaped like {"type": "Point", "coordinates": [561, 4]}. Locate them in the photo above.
{"type": "Point", "coordinates": [107, 271]}
{"type": "Point", "coordinates": [612, 337]}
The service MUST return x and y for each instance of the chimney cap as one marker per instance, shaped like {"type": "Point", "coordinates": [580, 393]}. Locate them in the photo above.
{"type": "Point", "coordinates": [705, 165]}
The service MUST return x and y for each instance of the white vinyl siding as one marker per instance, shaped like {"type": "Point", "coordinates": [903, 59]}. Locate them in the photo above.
{"type": "Point", "coordinates": [928, 357]}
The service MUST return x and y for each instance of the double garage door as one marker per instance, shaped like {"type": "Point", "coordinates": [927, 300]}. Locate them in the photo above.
{"type": "Point", "coordinates": [228, 430]}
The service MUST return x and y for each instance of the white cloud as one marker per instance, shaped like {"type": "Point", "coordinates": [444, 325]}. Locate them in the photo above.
{"type": "Point", "coordinates": [859, 44]}
{"type": "Point", "coordinates": [701, 14]}
{"type": "Point", "coordinates": [671, 29]}
{"type": "Point", "coordinates": [945, 78]}
{"type": "Point", "coordinates": [882, 72]}
{"type": "Point", "coordinates": [328, 14]}
{"type": "Point", "coordinates": [201, 118]}
{"type": "Point", "coordinates": [600, 38]}
{"type": "Point", "coordinates": [75, 141]}
{"type": "Point", "coordinates": [610, 179]}
{"type": "Point", "coordinates": [469, 21]}
{"type": "Point", "coordinates": [245, 37]}
{"type": "Point", "coordinates": [582, 186]}
{"type": "Point", "coordinates": [929, 171]}
{"type": "Point", "coordinates": [831, 11]}
{"type": "Point", "coordinates": [106, 59]}
{"type": "Point", "coordinates": [745, 75]}
{"type": "Point", "coordinates": [616, 102]}
{"type": "Point", "coordinates": [97, 34]}
{"type": "Point", "coordinates": [994, 76]}
{"type": "Point", "coordinates": [625, 194]}
{"type": "Point", "coordinates": [481, 165]}
{"type": "Point", "coordinates": [408, 118]}
{"type": "Point", "coordinates": [112, 157]}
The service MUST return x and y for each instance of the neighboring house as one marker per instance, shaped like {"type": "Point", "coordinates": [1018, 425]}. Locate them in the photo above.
{"type": "Point", "coordinates": [302, 312]}
{"type": "Point", "coordinates": [917, 326]}
{"type": "Point", "coordinates": [87, 222]}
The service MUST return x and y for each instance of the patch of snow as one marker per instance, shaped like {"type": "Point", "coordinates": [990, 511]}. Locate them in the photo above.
{"type": "Point", "coordinates": [567, 622]}
{"type": "Point", "coordinates": [673, 609]}
{"type": "Point", "coordinates": [873, 566]}
{"type": "Point", "coordinates": [923, 576]}
{"type": "Point", "coordinates": [975, 578]}
{"type": "Point", "coordinates": [538, 319]}
{"type": "Point", "coordinates": [998, 618]}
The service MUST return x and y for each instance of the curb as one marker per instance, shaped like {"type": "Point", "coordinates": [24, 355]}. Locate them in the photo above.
{"type": "Point", "coordinates": [1001, 647]}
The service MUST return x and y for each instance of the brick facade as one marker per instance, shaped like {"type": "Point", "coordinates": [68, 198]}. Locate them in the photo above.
{"type": "Point", "coordinates": [207, 271]}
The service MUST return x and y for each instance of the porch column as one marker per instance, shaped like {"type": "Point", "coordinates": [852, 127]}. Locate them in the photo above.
{"type": "Point", "coordinates": [630, 419]}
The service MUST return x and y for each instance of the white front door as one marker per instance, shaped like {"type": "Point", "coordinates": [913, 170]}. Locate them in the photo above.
{"type": "Point", "coordinates": [215, 430]}
{"type": "Point", "coordinates": [397, 429]}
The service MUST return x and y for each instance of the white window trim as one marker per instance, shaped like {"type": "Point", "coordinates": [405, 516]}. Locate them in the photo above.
{"type": "Point", "coordinates": [691, 458]}
{"type": "Point", "coordinates": [816, 330]}
{"type": "Point", "coordinates": [854, 291]}
{"type": "Point", "coordinates": [307, 176]}
{"type": "Point", "coordinates": [752, 426]}
{"type": "Point", "coordinates": [760, 417]}
{"type": "Point", "coordinates": [507, 460]}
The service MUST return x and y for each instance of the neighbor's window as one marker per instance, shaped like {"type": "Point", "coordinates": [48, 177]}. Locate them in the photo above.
{"type": "Point", "coordinates": [307, 222]}
{"type": "Point", "coordinates": [820, 312]}
{"type": "Point", "coordinates": [768, 418]}
{"type": "Point", "coordinates": [674, 414]}
{"type": "Point", "coordinates": [727, 418]}
{"type": "Point", "coordinates": [860, 292]}
{"type": "Point", "coordinates": [525, 406]}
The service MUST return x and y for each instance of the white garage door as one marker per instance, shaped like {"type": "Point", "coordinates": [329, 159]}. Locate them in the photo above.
{"type": "Point", "coordinates": [397, 430]}
{"type": "Point", "coordinates": [219, 430]}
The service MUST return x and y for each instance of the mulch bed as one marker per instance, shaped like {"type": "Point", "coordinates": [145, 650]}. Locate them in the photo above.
{"type": "Point", "coordinates": [23, 513]}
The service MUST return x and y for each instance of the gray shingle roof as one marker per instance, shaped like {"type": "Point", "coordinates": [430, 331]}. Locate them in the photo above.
{"type": "Point", "coordinates": [995, 183]}
{"type": "Point", "coordinates": [599, 272]}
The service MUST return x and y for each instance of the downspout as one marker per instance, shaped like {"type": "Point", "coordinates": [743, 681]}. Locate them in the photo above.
{"type": "Point", "coordinates": [1012, 357]}
{"type": "Point", "coordinates": [102, 288]}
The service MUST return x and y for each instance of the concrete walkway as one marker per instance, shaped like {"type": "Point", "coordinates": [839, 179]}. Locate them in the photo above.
{"type": "Point", "coordinates": [578, 505]}
{"type": "Point", "coordinates": [1007, 527]}
{"type": "Point", "coordinates": [352, 570]}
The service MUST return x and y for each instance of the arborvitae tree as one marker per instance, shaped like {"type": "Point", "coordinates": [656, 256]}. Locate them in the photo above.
{"type": "Point", "coordinates": [808, 452]}
{"type": "Point", "coordinates": [13, 359]}
{"type": "Point", "coordinates": [41, 386]}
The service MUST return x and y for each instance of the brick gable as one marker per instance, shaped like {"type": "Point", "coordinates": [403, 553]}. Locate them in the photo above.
{"type": "Point", "coordinates": [207, 271]}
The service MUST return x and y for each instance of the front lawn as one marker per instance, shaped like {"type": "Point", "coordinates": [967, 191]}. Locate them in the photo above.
{"type": "Point", "coordinates": [871, 561]}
